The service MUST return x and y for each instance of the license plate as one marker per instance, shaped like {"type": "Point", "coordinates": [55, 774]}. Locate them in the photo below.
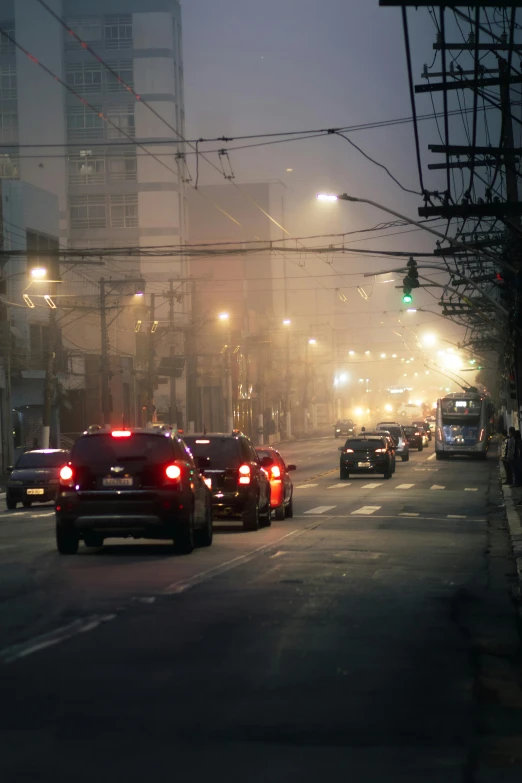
{"type": "Point", "coordinates": [364, 464]}
{"type": "Point", "coordinates": [35, 491]}
{"type": "Point", "coordinates": [117, 482]}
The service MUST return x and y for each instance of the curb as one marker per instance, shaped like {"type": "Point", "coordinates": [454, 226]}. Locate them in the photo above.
{"type": "Point", "coordinates": [515, 529]}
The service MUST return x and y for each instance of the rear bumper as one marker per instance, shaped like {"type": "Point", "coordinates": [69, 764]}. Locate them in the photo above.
{"type": "Point", "coordinates": [376, 467]}
{"type": "Point", "coordinates": [19, 494]}
{"type": "Point", "coordinates": [230, 503]}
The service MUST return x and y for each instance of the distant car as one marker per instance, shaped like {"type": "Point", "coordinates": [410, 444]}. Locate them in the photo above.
{"type": "Point", "coordinates": [409, 411]}
{"type": "Point", "coordinates": [35, 478]}
{"type": "Point", "coordinates": [363, 454]}
{"type": "Point", "coordinates": [396, 431]}
{"type": "Point", "coordinates": [426, 428]}
{"type": "Point", "coordinates": [344, 428]}
{"type": "Point", "coordinates": [239, 483]}
{"type": "Point", "coordinates": [415, 437]}
{"type": "Point", "coordinates": [281, 486]}
{"type": "Point", "coordinates": [132, 483]}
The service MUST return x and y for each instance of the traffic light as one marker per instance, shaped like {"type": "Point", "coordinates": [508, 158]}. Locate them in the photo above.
{"type": "Point", "coordinates": [410, 281]}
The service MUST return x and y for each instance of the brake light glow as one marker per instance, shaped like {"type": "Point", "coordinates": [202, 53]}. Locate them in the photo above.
{"type": "Point", "coordinates": [121, 433]}
{"type": "Point", "coordinates": [276, 472]}
{"type": "Point", "coordinates": [417, 433]}
{"type": "Point", "coordinates": [380, 451]}
{"type": "Point", "coordinates": [173, 472]}
{"type": "Point", "coordinates": [349, 451]}
{"type": "Point", "coordinates": [244, 474]}
{"type": "Point", "coordinates": [202, 441]}
{"type": "Point", "coordinates": [66, 473]}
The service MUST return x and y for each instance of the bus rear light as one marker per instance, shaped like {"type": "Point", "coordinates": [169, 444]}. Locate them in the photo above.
{"type": "Point", "coordinates": [244, 474]}
{"type": "Point", "coordinates": [482, 433]}
{"type": "Point", "coordinates": [440, 436]}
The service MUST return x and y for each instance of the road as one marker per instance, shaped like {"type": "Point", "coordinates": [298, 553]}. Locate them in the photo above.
{"type": "Point", "coordinates": [336, 643]}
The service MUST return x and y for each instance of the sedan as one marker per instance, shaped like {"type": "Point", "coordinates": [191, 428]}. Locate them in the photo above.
{"type": "Point", "coordinates": [365, 455]}
{"type": "Point", "coordinates": [35, 477]}
{"type": "Point", "coordinates": [281, 486]}
{"type": "Point", "coordinates": [415, 437]}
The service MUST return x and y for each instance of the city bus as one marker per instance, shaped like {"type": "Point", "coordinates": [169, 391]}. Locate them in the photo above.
{"type": "Point", "coordinates": [464, 425]}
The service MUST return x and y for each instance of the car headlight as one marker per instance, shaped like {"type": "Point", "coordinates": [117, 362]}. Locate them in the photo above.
{"type": "Point", "coordinates": [15, 483]}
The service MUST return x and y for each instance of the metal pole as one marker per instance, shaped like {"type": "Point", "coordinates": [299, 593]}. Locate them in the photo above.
{"type": "Point", "coordinates": [49, 377]}
{"type": "Point", "coordinates": [229, 407]}
{"type": "Point", "coordinates": [150, 369]}
{"type": "Point", "coordinates": [173, 404]}
{"type": "Point", "coordinates": [105, 374]}
{"type": "Point", "coordinates": [305, 395]}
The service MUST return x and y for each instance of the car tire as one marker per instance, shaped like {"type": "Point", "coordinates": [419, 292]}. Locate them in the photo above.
{"type": "Point", "coordinates": [184, 535]}
{"type": "Point", "coordinates": [343, 474]}
{"type": "Point", "coordinates": [420, 447]}
{"type": "Point", "coordinates": [67, 541]}
{"type": "Point", "coordinates": [93, 540]}
{"type": "Point", "coordinates": [204, 537]}
{"type": "Point", "coordinates": [27, 503]}
{"type": "Point", "coordinates": [405, 457]}
{"type": "Point", "coordinates": [280, 512]}
{"type": "Point", "coordinates": [289, 510]}
{"type": "Point", "coordinates": [250, 517]}
{"type": "Point", "coordinates": [387, 474]}
{"type": "Point", "coordinates": [11, 504]}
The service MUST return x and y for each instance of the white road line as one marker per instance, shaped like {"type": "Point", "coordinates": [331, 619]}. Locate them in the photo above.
{"type": "Point", "coordinates": [319, 510]}
{"type": "Point", "coordinates": [366, 510]}
{"type": "Point", "coordinates": [372, 486]}
{"type": "Point", "coordinates": [432, 456]}
{"type": "Point", "coordinates": [343, 484]}
{"type": "Point", "coordinates": [470, 489]}
{"type": "Point", "coordinates": [305, 486]}
{"type": "Point", "coordinates": [437, 486]}
{"type": "Point", "coordinates": [455, 516]}
{"type": "Point", "coordinates": [404, 486]}
{"type": "Point", "coordinates": [40, 516]}
{"type": "Point", "coordinates": [409, 514]}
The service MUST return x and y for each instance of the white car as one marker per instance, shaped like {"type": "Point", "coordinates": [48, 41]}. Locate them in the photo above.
{"type": "Point", "coordinates": [410, 411]}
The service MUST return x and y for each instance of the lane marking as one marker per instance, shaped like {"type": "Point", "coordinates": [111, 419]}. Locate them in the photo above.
{"type": "Point", "coordinates": [343, 484]}
{"type": "Point", "coordinates": [366, 510]}
{"type": "Point", "coordinates": [409, 514]}
{"type": "Point", "coordinates": [470, 489]}
{"type": "Point", "coordinates": [404, 486]}
{"type": "Point", "coordinates": [372, 486]}
{"type": "Point", "coordinates": [40, 516]}
{"type": "Point", "coordinates": [432, 456]}
{"type": "Point", "coordinates": [455, 516]}
{"type": "Point", "coordinates": [437, 486]}
{"type": "Point", "coordinates": [305, 486]}
{"type": "Point", "coordinates": [319, 510]}
{"type": "Point", "coordinates": [280, 553]}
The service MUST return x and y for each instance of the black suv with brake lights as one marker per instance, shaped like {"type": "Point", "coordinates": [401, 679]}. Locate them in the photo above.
{"type": "Point", "coordinates": [363, 454]}
{"type": "Point", "coordinates": [240, 484]}
{"type": "Point", "coordinates": [139, 483]}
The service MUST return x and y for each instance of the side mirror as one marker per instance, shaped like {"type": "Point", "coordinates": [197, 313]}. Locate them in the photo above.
{"type": "Point", "coordinates": [291, 467]}
{"type": "Point", "coordinates": [341, 448]}
{"type": "Point", "coordinates": [266, 462]}
{"type": "Point", "coordinates": [9, 469]}
{"type": "Point", "coordinates": [202, 462]}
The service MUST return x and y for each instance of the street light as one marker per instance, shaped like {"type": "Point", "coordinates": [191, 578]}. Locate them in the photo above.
{"type": "Point", "coordinates": [223, 316]}
{"type": "Point", "coordinates": [327, 197]}
{"type": "Point", "coordinates": [351, 353]}
{"type": "Point", "coordinates": [429, 339]}
{"type": "Point", "coordinates": [38, 273]}
{"type": "Point", "coordinates": [312, 341]}
{"type": "Point", "coordinates": [287, 322]}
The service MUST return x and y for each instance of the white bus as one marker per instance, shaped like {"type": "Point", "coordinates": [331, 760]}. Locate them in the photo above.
{"type": "Point", "coordinates": [464, 425]}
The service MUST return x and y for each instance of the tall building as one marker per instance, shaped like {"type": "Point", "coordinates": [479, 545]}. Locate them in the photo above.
{"type": "Point", "coordinates": [118, 182]}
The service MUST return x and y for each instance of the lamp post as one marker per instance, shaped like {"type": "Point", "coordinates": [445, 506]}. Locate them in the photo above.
{"type": "Point", "coordinates": [288, 415]}
{"type": "Point", "coordinates": [229, 410]}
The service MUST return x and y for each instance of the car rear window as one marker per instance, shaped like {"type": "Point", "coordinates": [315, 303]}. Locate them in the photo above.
{"type": "Point", "coordinates": [410, 430]}
{"type": "Point", "coordinates": [222, 452]}
{"type": "Point", "coordinates": [363, 445]}
{"type": "Point", "coordinates": [43, 460]}
{"type": "Point", "coordinates": [143, 447]}
{"type": "Point", "coordinates": [394, 432]}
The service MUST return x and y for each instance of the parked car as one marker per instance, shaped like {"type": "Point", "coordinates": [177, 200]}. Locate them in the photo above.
{"type": "Point", "coordinates": [240, 485]}
{"type": "Point", "coordinates": [138, 483]}
{"type": "Point", "coordinates": [415, 436]}
{"type": "Point", "coordinates": [344, 428]}
{"type": "Point", "coordinates": [363, 454]}
{"type": "Point", "coordinates": [281, 486]}
{"type": "Point", "coordinates": [396, 431]}
{"type": "Point", "coordinates": [35, 478]}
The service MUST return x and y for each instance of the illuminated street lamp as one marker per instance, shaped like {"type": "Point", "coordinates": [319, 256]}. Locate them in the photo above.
{"type": "Point", "coordinates": [428, 339]}
{"type": "Point", "coordinates": [223, 316]}
{"type": "Point", "coordinates": [38, 273]}
{"type": "Point", "coordinates": [351, 353]}
{"type": "Point", "coordinates": [327, 197]}
{"type": "Point", "coordinates": [312, 341]}
{"type": "Point", "coordinates": [287, 322]}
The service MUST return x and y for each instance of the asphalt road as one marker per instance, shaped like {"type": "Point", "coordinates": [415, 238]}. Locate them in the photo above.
{"type": "Point", "coordinates": [334, 644]}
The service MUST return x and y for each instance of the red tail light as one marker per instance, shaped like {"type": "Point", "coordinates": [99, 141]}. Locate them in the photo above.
{"type": "Point", "coordinates": [244, 474]}
{"type": "Point", "coordinates": [66, 473]}
{"type": "Point", "coordinates": [380, 451]}
{"type": "Point", "coordinates": [349, 451]}
{"type": "Point", "coordinates": [173, 472]}
{"type": "Point", "coordinates": [275, 472]}
{"type": "Point", "coordinates": [439, 434]}
{"type": "Point", "coordinates": [417, 433]}
{"type": "Point", "coordinates": [121, 433]}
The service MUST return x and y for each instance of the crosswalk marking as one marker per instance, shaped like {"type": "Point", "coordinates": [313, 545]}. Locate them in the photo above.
{"type": "Point", "coordinates": [404, 486]}
{"type": "Point", "coordinates": [470, 489]}
{"type": "Point", "coordinates": [409, 513]}
{"type": "Point", "coordinates": [366, 510]}
{"type": "Point", "coordinates": [372, 486]}
{"type": "Point", "coordinates": [437, 486]}
{"type": "Point", "coordinates": [319, 510]}
{"type": "Point", "coordinates": [305, 486]}
{"type": "Point", "coordinates": [432, 456]}
{"type": "Point", "coordinates": [455, 516]}
{"type": "Point", "coordinates": [343, 484]}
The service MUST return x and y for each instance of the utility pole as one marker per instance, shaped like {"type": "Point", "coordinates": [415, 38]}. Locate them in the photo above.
{"type": "Point", "coordinates": [151, 376]}
{"type": "Point", "coordinates": [49, 375]}
{"type": "Point", "coordinates": [173, 402]}
{"type": "Point", "coordinates": [105, 370]}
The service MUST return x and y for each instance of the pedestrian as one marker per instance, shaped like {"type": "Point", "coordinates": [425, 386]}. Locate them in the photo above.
{"type": "Point", "coordinates": [517, 460]}
{"type": "Point", "coordinates": [505, 461]}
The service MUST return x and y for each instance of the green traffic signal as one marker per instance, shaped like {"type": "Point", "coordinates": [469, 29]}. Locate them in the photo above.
{"type": "Point", "coordinates": [407, 298]}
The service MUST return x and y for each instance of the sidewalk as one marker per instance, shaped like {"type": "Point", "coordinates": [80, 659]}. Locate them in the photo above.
{"type": "Point", "coordinates": [512, 498]}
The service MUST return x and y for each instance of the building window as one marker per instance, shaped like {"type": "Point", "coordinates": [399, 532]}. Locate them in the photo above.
{"type": "Point", "coordinates": [124, 210]}
{"type": "Point", "coordinates": [124, 70]}
{"type": "Point", "coordinates": [86, 168]}
{"type": "Point", "coordinates": [6, 47]}
{"type": "Point", "coordinates": [123, 119]}
{"type": "Point", "coordinates": [88, 211]}
{"type": "Point", "coordinates": [118, 31]}
{"type": "Point", "coordinates": [83, 123]}
{"type": "Point", "coordinates": [84, 77]}
{"type": "Point", "coordinates": [8, 126]}
{"type": "Point", "coordinates": [9, 166]}
{"type": "Point", "coordinates": [7, 82]}
{"type": "Point", "coordinates": [122, 165]}
{"type": "Point", "coordinates": [89, 29]}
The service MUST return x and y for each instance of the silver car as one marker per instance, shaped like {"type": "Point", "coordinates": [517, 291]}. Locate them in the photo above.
{"type": "Point", "coordinates": [396, 431]}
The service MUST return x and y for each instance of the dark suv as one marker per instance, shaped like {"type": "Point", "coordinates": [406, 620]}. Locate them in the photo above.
{"type": "Point", "coordinates": [240, 484]}
{"type": "Point", "coordinates": [139, 483]}
{"type": "Point", "coordinates": [363, 454]}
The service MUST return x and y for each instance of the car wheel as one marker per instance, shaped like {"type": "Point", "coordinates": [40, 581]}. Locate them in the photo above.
{"type": "Point", "coordinates": [280, 512]}
{"type": "Point", "coordinates": [27, 503]}
{"type": "Point", "coordinates": [343, 474]}
{"type": "Point", "coordinates": [11, 504]}
{"type": "Point", "coordinates": [420, 447]}
{"type": "Point", "coordinates": [289, 510]}
{"type": "Point", "coordinates": [250, 517]}
{"type": "Point", "coordinates": [204, 537]}
{"type": "Point", "coordinates": [184, 535]}
{"type": "Point", "coordinates": [93, 539]}
{"type": "Point", "coordinates": [405, 457]}
{"type": "Point", "coordinates": [66, 541]}
{"type": "Point", "coordinates": [387, 474]}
